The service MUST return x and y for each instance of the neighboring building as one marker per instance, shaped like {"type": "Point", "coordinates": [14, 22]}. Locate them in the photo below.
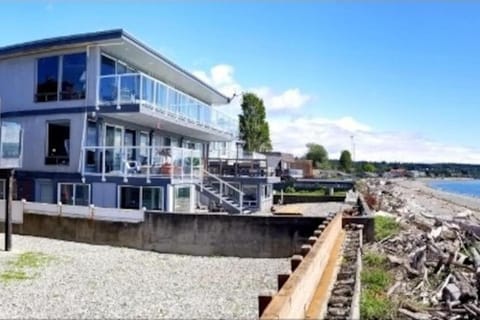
{"type": "Point", "coordinates": [110, 122]}
{"type": "Point", "coordinates": [305, 165]}
{"type": "Point", "coordinates": [279, 163]}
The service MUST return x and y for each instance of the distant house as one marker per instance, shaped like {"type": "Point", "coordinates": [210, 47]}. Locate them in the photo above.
{"type": "Point", "coordinates": [396, 173]}
{"type": "Point", "coordinates": [279, 163]}
{"type": "Point", "coordinates": [305, 165]}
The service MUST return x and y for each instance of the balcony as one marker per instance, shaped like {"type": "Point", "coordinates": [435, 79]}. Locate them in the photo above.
{"type": "Point", "coordinates": [177, 164]}
{"type": "Point", "coordinates": [177, 110]}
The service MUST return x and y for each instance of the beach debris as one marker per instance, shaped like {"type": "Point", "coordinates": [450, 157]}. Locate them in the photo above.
{"type": "Point", "coordinates": [435, 259]}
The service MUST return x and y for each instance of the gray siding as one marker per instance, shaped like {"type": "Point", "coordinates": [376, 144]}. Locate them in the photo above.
{"type": "Point", "coordinates": [18, 82]}
{"type": "Point", "coordinates": [35, 141]}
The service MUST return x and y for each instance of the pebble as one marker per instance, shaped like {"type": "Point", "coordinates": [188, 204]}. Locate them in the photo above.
{"type": "Point", "coordinates": [85, 281]}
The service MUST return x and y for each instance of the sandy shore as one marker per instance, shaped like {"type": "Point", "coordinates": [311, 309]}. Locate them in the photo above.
{"type": "Point", "coordinates": [418, 197]}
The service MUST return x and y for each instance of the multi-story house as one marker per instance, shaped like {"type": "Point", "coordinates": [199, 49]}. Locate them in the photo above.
{"type": "Point", "coordinates": [110, 122]}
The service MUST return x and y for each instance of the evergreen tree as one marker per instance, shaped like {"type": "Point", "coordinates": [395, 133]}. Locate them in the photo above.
{"type": "Point", "coordinates": [345, 160]}
{"type": "Point", "coordinates": [254, 128]}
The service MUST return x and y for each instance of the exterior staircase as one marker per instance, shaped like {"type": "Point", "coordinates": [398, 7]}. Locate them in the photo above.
{"type": "Point", "coordinates": [222, 193]}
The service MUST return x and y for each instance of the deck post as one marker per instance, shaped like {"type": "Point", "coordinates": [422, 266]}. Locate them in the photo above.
{"type": "Point", "coordinates": [8, 174]}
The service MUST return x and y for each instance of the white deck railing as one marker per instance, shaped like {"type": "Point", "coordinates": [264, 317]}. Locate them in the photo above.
{"type": "Point", "coordinates": [178, 164]}
{"type": "Point", "coordinates": [19, 207]}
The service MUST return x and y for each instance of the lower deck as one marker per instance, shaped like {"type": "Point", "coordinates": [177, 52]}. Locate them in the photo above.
{"type": "Point", "coordinates": [155, 194]}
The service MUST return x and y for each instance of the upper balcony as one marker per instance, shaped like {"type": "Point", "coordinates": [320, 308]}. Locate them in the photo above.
{"type": "Point", "coordinates": [163, 107]}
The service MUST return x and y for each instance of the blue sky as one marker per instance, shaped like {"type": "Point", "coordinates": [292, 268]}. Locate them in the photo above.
{"type": "Point", "coordinates": [403, 78]}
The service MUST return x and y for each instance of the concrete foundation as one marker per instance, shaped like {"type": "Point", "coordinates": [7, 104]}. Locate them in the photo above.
{"type": "Point", "coordinates": [192, 234]}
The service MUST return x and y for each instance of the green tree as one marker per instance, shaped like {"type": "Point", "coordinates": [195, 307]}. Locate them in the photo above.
{"type": "Point", "coordinates": [254, 128]}
{"type": "Point", "coordinates": [318, 155]}
{"type": "Point", "coordinates": [369, 167]}
{"type": "Point", "coordinates": [345, 160]}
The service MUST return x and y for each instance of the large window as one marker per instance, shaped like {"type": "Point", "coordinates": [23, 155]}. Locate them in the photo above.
{"type": "Point", "coordinates": [58, 142]}
{"type": "Point", "coordinates": [47, 79]}
{"type": "Point", "coordinates": [61, 77]}
{"type": "Point", "coordinates": [73, 76]}
{"type": "Point", "coordinates": [75, 194]}
{"type": "Point", "coordinates": [132, 197]}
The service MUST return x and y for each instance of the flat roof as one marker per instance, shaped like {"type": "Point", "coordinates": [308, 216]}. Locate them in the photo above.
{"type": "Point", "coordinates": [99, 36]}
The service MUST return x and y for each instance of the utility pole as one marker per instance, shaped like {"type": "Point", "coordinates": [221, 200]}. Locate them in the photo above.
{"type": "Point", "coordinates": [352, 137]}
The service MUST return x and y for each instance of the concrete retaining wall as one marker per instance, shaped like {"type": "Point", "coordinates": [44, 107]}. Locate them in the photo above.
{"type": "Point", "coordinates": [192, 234]}
{"type": "Point", "coordinates": [289, 199]}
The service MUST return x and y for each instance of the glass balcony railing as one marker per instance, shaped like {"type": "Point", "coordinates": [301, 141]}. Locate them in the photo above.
{"type": "Point", "coordinates": [178, 164]}
{"type": "Point", "coordinates": [139, 88]}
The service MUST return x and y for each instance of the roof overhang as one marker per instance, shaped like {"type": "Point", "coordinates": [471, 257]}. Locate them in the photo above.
{"type": "Point", "coordinates": [126, 47]}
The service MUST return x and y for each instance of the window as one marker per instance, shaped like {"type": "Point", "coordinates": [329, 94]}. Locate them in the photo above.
{"type": "Point", "coordinates": [2, 189]}
{"type": "Point", "coordinates": [44, 191]}
{"type": "Point", "coordinates": [75, 194]}
{"type": "Point", "coordinates": [92, 140]}
{"type": "Point", "coordinates": [74, 69]}
{"type": "Point", "coordinates": [132, 197]}
{"type": "Point", "coordinates": [182, 199]}
{"type": "Point", "coordinates": [267, 191]}
{"type": "Point", "coordinates": [152, 198]}
{"type": "Point", "coordinates": [107, 66]}
{"type": "Point", "coordinates": [250, 194]}
{"type": "Point", "coordinates": [72, 77]}
{"type": "Point", "coordinates": [143, 147]}
{"type": "Point", "coordinates": [11, 140]}
{"type": "Point", "coordinates": [58, 143]}
{"type": "Point", "coordinates": [111, 66]}
{"type": "Point", "coordinates": [47, 79]}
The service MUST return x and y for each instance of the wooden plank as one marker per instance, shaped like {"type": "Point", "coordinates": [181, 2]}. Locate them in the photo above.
{"type": "Point", "coordinates": [293, 299]}
{"type": "Point", "coordinates": [318, 304]}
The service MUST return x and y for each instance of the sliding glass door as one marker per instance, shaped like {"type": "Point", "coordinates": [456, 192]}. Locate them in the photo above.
{"type": "Point", "coordinates": [113, 142]}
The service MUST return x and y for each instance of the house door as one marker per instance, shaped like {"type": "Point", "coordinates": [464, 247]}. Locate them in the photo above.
{"type": "Point", "coordinates": [113, 153]}
{"type": "Point", "coordinates": [130, 142]}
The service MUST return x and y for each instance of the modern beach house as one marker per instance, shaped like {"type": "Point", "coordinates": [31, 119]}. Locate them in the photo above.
{"type": "Point", "coordinates": [110, 122]}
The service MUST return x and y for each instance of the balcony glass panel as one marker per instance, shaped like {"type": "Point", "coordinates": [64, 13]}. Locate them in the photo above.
{"type": "Point", "coordinates": [139, 88]}
{"type": "Point", "coordinates": [148, 90]}
{"type": "Point", "coordinates": [108, 89]}
{"type": "Point", "coordinates": [178, 164]}
{"type": "Point", "coordinates": [161, 99]}
{"type": "Point", "coordinates": [129, 87]}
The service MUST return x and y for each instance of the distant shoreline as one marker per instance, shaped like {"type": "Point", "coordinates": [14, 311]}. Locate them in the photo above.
{"type": "Point", "coordinates": [422, 185]}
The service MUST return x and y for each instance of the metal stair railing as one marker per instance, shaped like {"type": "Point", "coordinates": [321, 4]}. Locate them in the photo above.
{"type": "Point", "coordinates": [224, 186]}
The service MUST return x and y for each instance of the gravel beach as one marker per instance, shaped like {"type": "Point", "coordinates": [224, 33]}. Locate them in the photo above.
{"type": "Point", "coordinates": [86, 281]}
{"type": "Point", "coordinates": [420, 197]}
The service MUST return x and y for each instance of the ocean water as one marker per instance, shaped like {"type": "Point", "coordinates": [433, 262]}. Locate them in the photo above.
{"type": "Point", "coordinates": [462, 187]}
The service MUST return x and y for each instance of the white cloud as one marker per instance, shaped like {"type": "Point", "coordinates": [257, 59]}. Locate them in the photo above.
{"type": "Point", "coordinates": [221, 77]}
{"type": "Point", "coordinates": [335, 135]}
{"type": "Point", "coordinates": [291, 135]}
{"type": "Point", "coordinates": [288, 100]}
